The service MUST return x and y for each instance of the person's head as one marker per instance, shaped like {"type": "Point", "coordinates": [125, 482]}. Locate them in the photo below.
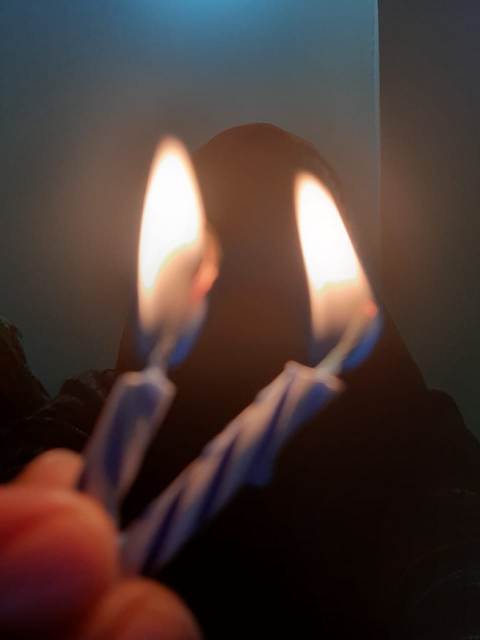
{"type": "Point", "coordinates": [259, 310]}
{"type": "Point", "coordinates": [258, 315]}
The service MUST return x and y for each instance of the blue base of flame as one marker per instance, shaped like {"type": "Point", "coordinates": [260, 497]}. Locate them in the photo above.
{"type": "Point", "coordinates": [365, 346]}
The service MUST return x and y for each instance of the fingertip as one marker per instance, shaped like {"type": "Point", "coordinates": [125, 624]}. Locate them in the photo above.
{"type": "Point", "coordinates": [140, 608]}
{"type": "Point", "coordinates": [54, 468]}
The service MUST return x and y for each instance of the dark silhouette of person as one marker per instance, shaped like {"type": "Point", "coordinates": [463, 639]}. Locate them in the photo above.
{"type": "Point", "coordinates": [374, 505]}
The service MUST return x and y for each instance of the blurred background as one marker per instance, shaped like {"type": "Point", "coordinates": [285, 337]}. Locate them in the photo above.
{"type": "Point", "coordinates": [430, 187]}
{"type": "Point", "coordinates": [87, 88]}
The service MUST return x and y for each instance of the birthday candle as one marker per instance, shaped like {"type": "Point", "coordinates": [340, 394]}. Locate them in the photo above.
{"type": "Point", "coordinates": [342, 305]}
{"type": "Point", "coordinates": [175, 270]}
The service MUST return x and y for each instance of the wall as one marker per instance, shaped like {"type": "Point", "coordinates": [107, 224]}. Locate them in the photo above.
{"type": "Point", "coordinates": [86, 90]}
{"type": "Point", "coordinates": [430, 187]}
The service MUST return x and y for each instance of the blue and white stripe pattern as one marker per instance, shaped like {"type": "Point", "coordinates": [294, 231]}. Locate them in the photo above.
{"type": "Point", "coordinates": [243, 453]}
{"type": "Point", "coordinates": [132, 414]}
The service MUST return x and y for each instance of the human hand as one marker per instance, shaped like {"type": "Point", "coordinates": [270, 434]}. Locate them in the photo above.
{"type": "Point", "coordinates": [59, 571]}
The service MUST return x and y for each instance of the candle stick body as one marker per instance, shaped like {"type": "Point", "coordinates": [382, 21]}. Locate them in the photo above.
{"type": "Point", "coordinates": [243, 453]}
{"type": "Point", "coordinates": [125, 428]}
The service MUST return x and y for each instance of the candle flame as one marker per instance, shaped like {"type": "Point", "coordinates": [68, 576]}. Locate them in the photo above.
{"type": "Point", "coordinates": [336, 279]}
{"type": "Point", "coordinates": [171, 235]}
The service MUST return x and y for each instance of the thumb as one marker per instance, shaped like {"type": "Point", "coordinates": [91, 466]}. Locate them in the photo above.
{"type": "Point", "coordinates": [57, 555]}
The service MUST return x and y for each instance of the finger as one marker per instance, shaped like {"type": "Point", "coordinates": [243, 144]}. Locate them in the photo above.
{"type": "Point", "coordinates": [57, 556]}
{"type": "Point", "coordinates": [55, 468]}
{"type": "Point", "coordinates": [139, 608]}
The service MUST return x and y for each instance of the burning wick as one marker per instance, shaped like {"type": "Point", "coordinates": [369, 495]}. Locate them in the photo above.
{"type": "Point", "coordinates": [343, 314]}
{"type": "Point", "coordinates": [177, 265]}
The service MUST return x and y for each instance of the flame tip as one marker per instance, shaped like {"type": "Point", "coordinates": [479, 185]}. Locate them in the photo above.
{"type": "Point", "coordinates": [335, 276]}
{"type": "Point", "coordinates": [173, 223]}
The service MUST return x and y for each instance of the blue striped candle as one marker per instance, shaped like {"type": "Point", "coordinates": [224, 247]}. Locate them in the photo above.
{"type": "Point", "coordinates": [137, 404]}
{"type": "Point", "coordinates": [176, 267]}
{"type": "Point", "coordinates": [243, 453]}
{"type": "Point", "coordinates": [343, 312]}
